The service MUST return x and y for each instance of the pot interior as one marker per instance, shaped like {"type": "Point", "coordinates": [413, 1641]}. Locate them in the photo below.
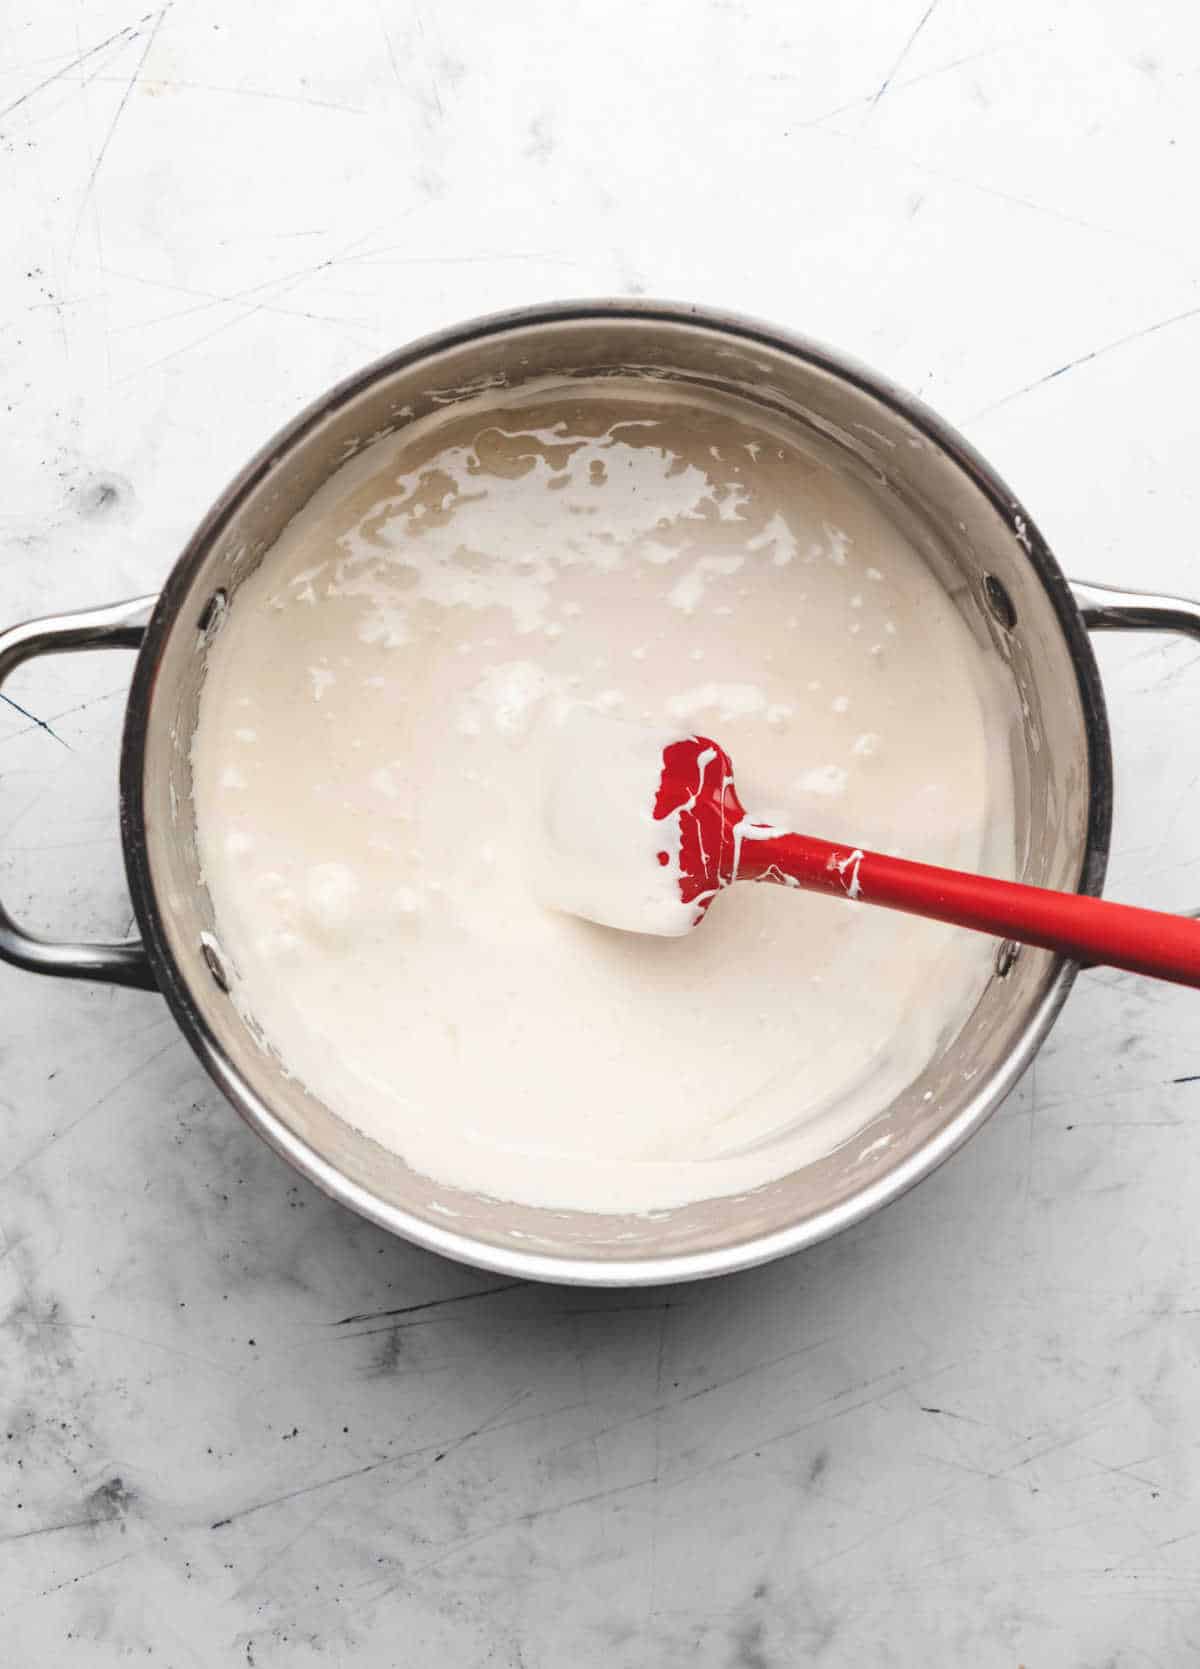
{"type": "Point", "coordinates": [984, 553]}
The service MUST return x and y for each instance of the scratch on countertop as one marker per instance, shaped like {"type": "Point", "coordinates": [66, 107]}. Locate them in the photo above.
{"type": "Point", "coordinates": [40, 724]}
{"type": "Point", "coordinates": [387, 41]}
{"type": "Point", "coordinates": [905, 50]}
{"type": "Point", "coordinates": [208, 299]}
{"type": "Point", "coordinates": [89, 186]}
{"type": "Point", "coordinates": [48, 1530]}
{"type": "Point", "coordinates": [428, 1304]}
{"type": "Point", "coordinates": [896, 86]}
{"type": "Point", "coordinates": [921, 165]}
{"type": "Point", "coordinates": [135, 1338]}
{"type": "Point", "coordinates": [84, 1575]}
{"type": "Point", "coordinates": [287, 282]}
{"type": "Point", "coordinates": [670, 1404]}
{"type": "Point", "coordinates": [322, 1483]}
{"type": "Point", "coordinates": [535, 1318]}
{"type": "Point", "coordinates": [128, 33]}
{"type": "Point", "coordinates": [250, 1584]}
{"type": "Point", "coordinates": [106, 1505]}
{"type": "Point", "coordinates": [1086, 359]}
{"type": "Point", "coordinates": [531, 1517]}
{"type": "Point", "coordinates": [439, 1451]}
{"type": "Point", "coordinates": [548, 258]}
{"type": "Point", "coordinates": [173, 1042]}
{"type": "Point", "coordinates": [66, 713]}
{"type": "Point", "coordinates": [823, 1415]}
{"type": "Point", "coordinates": [172, 86]}
{"type": "Point", "coordinates": [435, 90]}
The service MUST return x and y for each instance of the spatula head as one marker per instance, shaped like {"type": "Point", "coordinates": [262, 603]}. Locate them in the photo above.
{"type": "Point", "coordinates": [637, 824]}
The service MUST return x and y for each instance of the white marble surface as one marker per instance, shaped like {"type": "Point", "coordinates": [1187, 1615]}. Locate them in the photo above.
{"type": "Point", "coordinates": [239, 1425]}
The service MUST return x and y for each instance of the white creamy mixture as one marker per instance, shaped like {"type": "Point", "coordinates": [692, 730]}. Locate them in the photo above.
{"type": "Point", "coordinates": [366, 768]}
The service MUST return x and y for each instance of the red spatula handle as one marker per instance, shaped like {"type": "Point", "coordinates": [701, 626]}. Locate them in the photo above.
{"type": "Point", "coordinates": [1088, 930]}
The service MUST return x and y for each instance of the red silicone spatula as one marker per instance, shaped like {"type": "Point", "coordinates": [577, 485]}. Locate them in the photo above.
{"type": "Point", "coordinates": [643, 830]}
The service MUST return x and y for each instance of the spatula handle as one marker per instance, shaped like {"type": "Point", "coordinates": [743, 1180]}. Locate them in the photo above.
{"type": "Point", "coordinates": [1088, 930]}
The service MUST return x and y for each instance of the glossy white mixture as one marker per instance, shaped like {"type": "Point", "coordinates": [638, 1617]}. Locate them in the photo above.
{"type": "Point", "coordinates": [367, 764]}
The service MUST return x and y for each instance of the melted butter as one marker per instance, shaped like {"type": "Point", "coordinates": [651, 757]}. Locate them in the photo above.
{"type": "Point", "coordinates": [365, 767]}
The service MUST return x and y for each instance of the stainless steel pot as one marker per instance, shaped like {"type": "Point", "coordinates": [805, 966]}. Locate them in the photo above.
{"type": "Point", "coordinates": [974, 534]}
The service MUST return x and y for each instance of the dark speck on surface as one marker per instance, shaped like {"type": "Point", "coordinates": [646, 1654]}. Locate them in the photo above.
{"type": "Point", "coordinates": [820, 1465]}
{"type": "Point", "coordinates": [615, 1633]}
{"type": "Point", "coordinates": [386, 1358]}
{"type": "Point", "coordinates": [540, 142]}
{"type": "Point", "coordinates": [748, 1650]}
{"type": "Point", "coordinates": [111, 1501]}
{"type": "Point", "coordinates": [100, 495]}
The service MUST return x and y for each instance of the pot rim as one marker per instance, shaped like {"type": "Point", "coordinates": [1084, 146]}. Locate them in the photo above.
{"type": "Point", "coordinates": [462, 1247]}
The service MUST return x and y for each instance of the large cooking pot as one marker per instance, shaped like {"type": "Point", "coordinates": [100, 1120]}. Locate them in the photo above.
{"type": "Point", "coordinates": [976, 537]}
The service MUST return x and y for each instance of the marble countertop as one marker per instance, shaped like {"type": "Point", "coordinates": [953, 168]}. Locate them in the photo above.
{"type": "Point", "coordinates": [241, 1426]}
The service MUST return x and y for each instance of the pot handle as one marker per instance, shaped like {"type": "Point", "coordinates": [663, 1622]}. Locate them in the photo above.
{"type": "Point", "coordinates": [120, 626]}
{"type": "Point", "coordinates": [1105, 609]}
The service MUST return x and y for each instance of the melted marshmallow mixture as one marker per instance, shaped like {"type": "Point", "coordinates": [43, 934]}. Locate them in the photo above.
{"type": "Point", "coordinates": [368, 786]}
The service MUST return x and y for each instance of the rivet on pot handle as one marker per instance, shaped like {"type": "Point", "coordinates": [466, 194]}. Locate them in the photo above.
{"type": "Point", "coordinates": [120, 626]}
{"type": "Point", "coordinates": [1105, 609]}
